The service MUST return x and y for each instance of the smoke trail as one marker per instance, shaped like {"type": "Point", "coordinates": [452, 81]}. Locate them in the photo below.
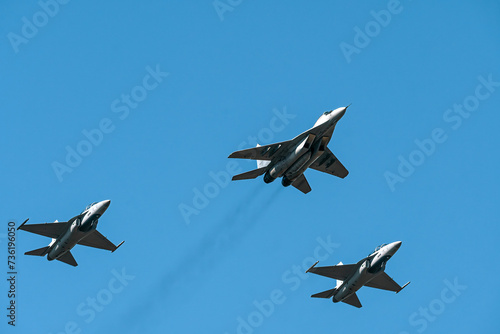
{"type": "Point", "coordinates": [234, 226]}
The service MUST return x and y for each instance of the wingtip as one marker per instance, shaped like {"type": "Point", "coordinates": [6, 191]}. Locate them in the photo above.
{"type": "Point", "coordinates": [312, 266]}
{"type": "Point", "coordinates": [404, 286]}
{"type": "Point", "coordinates": [121, 243]}
{"type": "Point", "coordinates": [23, 224]}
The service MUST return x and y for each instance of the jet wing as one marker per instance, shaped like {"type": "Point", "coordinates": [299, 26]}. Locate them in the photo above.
{"type": "Point", "coordinates": [51, 230]}
{"type": "Point", "coordinates": [97, 240]}
{"type": "Point", "coordinates": [340, 272]}
{"type": "Point", "coordinates": [384, 282]}
{"type": "Point", "coordinates": [328, 163]}
{"type": "Point", "coordinates": [266, 152]}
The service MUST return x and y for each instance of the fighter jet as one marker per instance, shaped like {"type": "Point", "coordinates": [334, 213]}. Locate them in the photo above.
{"type": "Point", "coordinates": [79, 230]}
{"type": "Point", "coordinates": [290, 159]}
{"type": "Point", "coordinates": [351, 277]}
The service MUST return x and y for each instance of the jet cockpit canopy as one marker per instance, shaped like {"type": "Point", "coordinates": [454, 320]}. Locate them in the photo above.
{"type": "Point", "coordinates": [89, 206]}
{"type": "Point", "coordinates": [378, 248]}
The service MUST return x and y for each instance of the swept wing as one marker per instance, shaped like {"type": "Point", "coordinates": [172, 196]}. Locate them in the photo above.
{"type": "Point", "coordinates": [266, 152]}
{"type": "Point", "coordinates": [384, 282]}
{"type": "Point", "coordinates": [339, 272]}
{"type": "Point", "coordinates": [97, 240]}
{"type": "Point", "coordinates": [51, 230]}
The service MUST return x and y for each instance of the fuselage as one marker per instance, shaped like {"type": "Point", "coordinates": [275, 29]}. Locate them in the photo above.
{"type": "Point", "coordinates": [367, 269]}
{"type": "Point", "coordinates": [299, 157]}
{"type": "Point", "coordinates": [79, 227]}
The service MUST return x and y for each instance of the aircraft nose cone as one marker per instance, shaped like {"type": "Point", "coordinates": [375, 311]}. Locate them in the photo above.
{"type": "Point", "coordinates": [105, 204]}
{"type": "Point", "coordinates": [339, 113]}
{"type": "Point", "coordinates": [397, 244]}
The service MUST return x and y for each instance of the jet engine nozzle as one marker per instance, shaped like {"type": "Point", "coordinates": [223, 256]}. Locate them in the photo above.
{"type": "Point", "coordinates": [268, 178]}
{"type": "Point", "coordinates": [286, 181]}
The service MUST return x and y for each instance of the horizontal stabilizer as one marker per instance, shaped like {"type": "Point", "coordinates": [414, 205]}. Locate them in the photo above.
{"type": "Point", "coordinates": [353, 300]}
{"type": "Point", "coordinates": [324, 294]}
{"type": "Point", "coordinates": [38, 252]}
{"type": "Point", "coordinates": [68, 258]}
{"type": "Point", "coordinates": [251, 174]}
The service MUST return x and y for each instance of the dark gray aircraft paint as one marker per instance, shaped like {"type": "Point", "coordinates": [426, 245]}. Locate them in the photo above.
{"type": "Point", "coordinates": [290, 159]}
{"type": "Point", "coordinates": [351, 277]}
{"type": "Point", "coordinates": [79, 230]}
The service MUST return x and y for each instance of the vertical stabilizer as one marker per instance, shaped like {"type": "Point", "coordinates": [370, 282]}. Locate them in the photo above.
{"type": "Point", "coordinates": [52, 242]}
{"type": "Point", "coordinates": [262, 163]}
{"type": "Point", "coordinates": [339, 282]}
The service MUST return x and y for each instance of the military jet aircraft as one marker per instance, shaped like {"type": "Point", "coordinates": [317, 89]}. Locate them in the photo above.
{"type": "Point", "coordinates": [79, 230]}
{"type": "Point", "coordinates": [290, 159]}
{"type": "Point", "coordinates": [351, 277]}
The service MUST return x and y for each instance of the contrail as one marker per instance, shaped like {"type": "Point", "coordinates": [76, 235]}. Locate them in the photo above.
{"type": "Point", "coordinates": [220, 241]}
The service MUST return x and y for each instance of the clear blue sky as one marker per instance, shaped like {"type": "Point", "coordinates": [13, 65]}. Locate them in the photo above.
{"type": "Point", "coordinates": [220, 76]}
